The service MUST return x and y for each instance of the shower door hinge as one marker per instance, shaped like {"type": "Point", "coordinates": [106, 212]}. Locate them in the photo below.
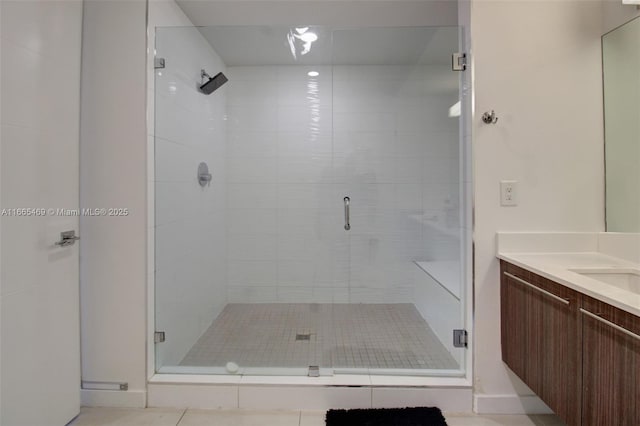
{"type": "Point", "coordinates": [460, 338]}
{"type": "Point", "coordinates": [158, 337]}
{"type": "Point", "coordinates": [314, 371]}
{"type": "Point", "coordinates": [158, 63]}
{"type": "Point", "coordinates": [459, 61]}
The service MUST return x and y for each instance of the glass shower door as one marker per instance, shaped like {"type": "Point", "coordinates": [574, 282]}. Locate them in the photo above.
{"type": "Point", "coordinates": [396, 150]}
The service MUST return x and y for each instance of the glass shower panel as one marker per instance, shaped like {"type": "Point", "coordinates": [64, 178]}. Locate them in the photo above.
{"type": "Point", "coordinates": [265, 255]}
{"type": "Point", "coordinates": [190, 214]}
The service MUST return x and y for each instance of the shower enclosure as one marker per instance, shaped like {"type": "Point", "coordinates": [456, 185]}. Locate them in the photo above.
{"type": "Point", "coordinates": [308, 201]}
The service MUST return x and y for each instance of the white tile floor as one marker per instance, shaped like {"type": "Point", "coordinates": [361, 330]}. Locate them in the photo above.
{"type": "Point", "coordinates": [182, 417]}
{"type": "Point", "coordinates": [337, 336]}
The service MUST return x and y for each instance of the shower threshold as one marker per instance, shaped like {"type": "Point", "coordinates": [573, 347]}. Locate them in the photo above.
{"type": "Point", "coordinates": [356, 360]}
{"type": "Point", "coordinates": [210, 391]}
{"type": "Point", "coordinates": [221, 375]}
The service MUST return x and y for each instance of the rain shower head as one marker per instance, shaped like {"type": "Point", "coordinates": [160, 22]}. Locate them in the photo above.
{"type": "Point", "coordinates": [213, 83]}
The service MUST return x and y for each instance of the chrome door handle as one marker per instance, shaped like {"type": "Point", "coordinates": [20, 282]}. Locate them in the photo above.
{"type": "Point", "coordinates": [545, 292]}
{"type": "Point", "coordinates": [204, 179]}
{"type": "Point", "coordinates": [67, 238]}
{"type": "Point", "coordinates": [610, 324]}
{"type": "Point", "coordinates": [347, 225]}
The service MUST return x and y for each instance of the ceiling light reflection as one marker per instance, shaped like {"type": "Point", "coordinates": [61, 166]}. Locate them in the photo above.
{"type": "Point", "coordinates": [308, 37]}
{"type": "Point", "coordinates": [300, 39]}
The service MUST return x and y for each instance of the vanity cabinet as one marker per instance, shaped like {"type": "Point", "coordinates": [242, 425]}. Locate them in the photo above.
{"type": "Point", "coordinates": [611, 365]}
{"type": "Point", "coordinates": [541, 338]}
{"type": "Point", "coordinates": [581, 356]}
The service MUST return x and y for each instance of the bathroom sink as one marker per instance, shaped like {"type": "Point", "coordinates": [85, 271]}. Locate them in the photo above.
{"type": "Point", "coordinates": [626, 279]}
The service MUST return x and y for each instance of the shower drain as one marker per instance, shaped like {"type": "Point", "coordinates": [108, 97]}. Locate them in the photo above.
{"type": "Point", "coordinates": [303, 337]}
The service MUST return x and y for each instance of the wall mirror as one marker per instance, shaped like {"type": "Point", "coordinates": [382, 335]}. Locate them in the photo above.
{"type": "Point", "coordinates": [621, 79]}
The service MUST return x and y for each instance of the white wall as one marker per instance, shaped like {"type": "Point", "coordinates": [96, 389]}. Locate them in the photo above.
{"type": "Point", "coordinates": [297, 145]}
{"type": "Point", "coordinates": [538, 65]}
{"type": "Point", "coordinates": [113, 174]}
{"type": "Point", "coordinates": [614, 14]}
{"type": "Point", "coordinates": [190, 225]}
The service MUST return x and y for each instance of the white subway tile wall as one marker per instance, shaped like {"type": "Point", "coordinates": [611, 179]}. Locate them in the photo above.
{"type": "Point", "coordinates": [297, 145]}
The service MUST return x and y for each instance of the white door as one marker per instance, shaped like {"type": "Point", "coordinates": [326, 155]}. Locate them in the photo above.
{"type": "Point", "coordinates": [39, 119]}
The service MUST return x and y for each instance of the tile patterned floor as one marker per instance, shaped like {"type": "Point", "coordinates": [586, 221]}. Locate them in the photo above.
{"type": "Point", "coordinates": [182, 417]}
{"type": "Point", "coordinates": [339, 336]}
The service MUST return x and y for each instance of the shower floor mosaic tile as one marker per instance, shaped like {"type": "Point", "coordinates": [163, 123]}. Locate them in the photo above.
{"type": "Point", "coordinates": [327, 335]}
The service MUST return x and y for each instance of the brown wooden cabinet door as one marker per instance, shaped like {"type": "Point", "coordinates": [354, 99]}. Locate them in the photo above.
{"type": "Point", "coordinates": [513, 302]}
{"type": "Point", "coordinates": [553, 346]}
{"type": "Point", "coordinates": [540, 338]}
{"type": "Point", "coordinates": [611, 366]}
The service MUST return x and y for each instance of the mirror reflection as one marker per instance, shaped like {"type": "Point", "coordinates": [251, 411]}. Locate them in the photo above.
{"type": "Point", "coordinates": [621, 73]}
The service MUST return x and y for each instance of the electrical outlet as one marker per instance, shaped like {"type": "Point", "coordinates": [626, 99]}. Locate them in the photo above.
{"type": "Point", "coordinates": [508, 193]}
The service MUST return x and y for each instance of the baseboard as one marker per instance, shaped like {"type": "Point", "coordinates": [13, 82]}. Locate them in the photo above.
{"type": "Point", "coordinates": [509, 404]}
{"type": "Point", "coordinates": [296, 397]}
{"type": "Point", "coordinates": [163, 396]}
{"type": "Point", "coordinates": [109, 398]}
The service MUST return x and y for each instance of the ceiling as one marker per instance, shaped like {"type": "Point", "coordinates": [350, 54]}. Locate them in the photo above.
{"type": "Point", "coordinates": [345, 13]}
{"type": "Point", "coordinates": [269, 45]}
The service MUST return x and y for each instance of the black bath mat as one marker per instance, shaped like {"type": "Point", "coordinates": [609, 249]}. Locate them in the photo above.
{"type": "Point", "coordinates": [418, 416]}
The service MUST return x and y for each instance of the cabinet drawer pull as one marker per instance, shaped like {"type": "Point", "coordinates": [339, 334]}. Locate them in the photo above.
{"type": "Point", "coordinates": [545, 292]}
{"type": "Point", "coordinates": [610, 324]}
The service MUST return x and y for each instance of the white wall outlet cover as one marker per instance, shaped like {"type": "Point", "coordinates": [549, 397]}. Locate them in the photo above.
{"type": "Point", "coordinates": [508, 193]}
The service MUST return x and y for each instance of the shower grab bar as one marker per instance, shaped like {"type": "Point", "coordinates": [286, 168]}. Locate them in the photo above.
{"type": "Point", "coordinates": [545, 292]}
{"type": "Point", "coordinates": [610, 324]}
{"type": "Point", "coordinates": [347, 225]}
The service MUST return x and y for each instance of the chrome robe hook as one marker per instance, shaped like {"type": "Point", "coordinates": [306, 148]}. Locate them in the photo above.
{"type": "Point", "coordinates": [490, 117]}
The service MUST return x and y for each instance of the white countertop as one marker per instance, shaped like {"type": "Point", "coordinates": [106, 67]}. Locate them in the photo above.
{"type": "Point", "coordinates": [555, 266]}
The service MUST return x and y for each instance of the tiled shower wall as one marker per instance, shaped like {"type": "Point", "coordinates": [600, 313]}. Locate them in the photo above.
{"type": "Point", "coordinates": [297, 145]}
{"type": "Point", "coordinates": [190, 248]}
